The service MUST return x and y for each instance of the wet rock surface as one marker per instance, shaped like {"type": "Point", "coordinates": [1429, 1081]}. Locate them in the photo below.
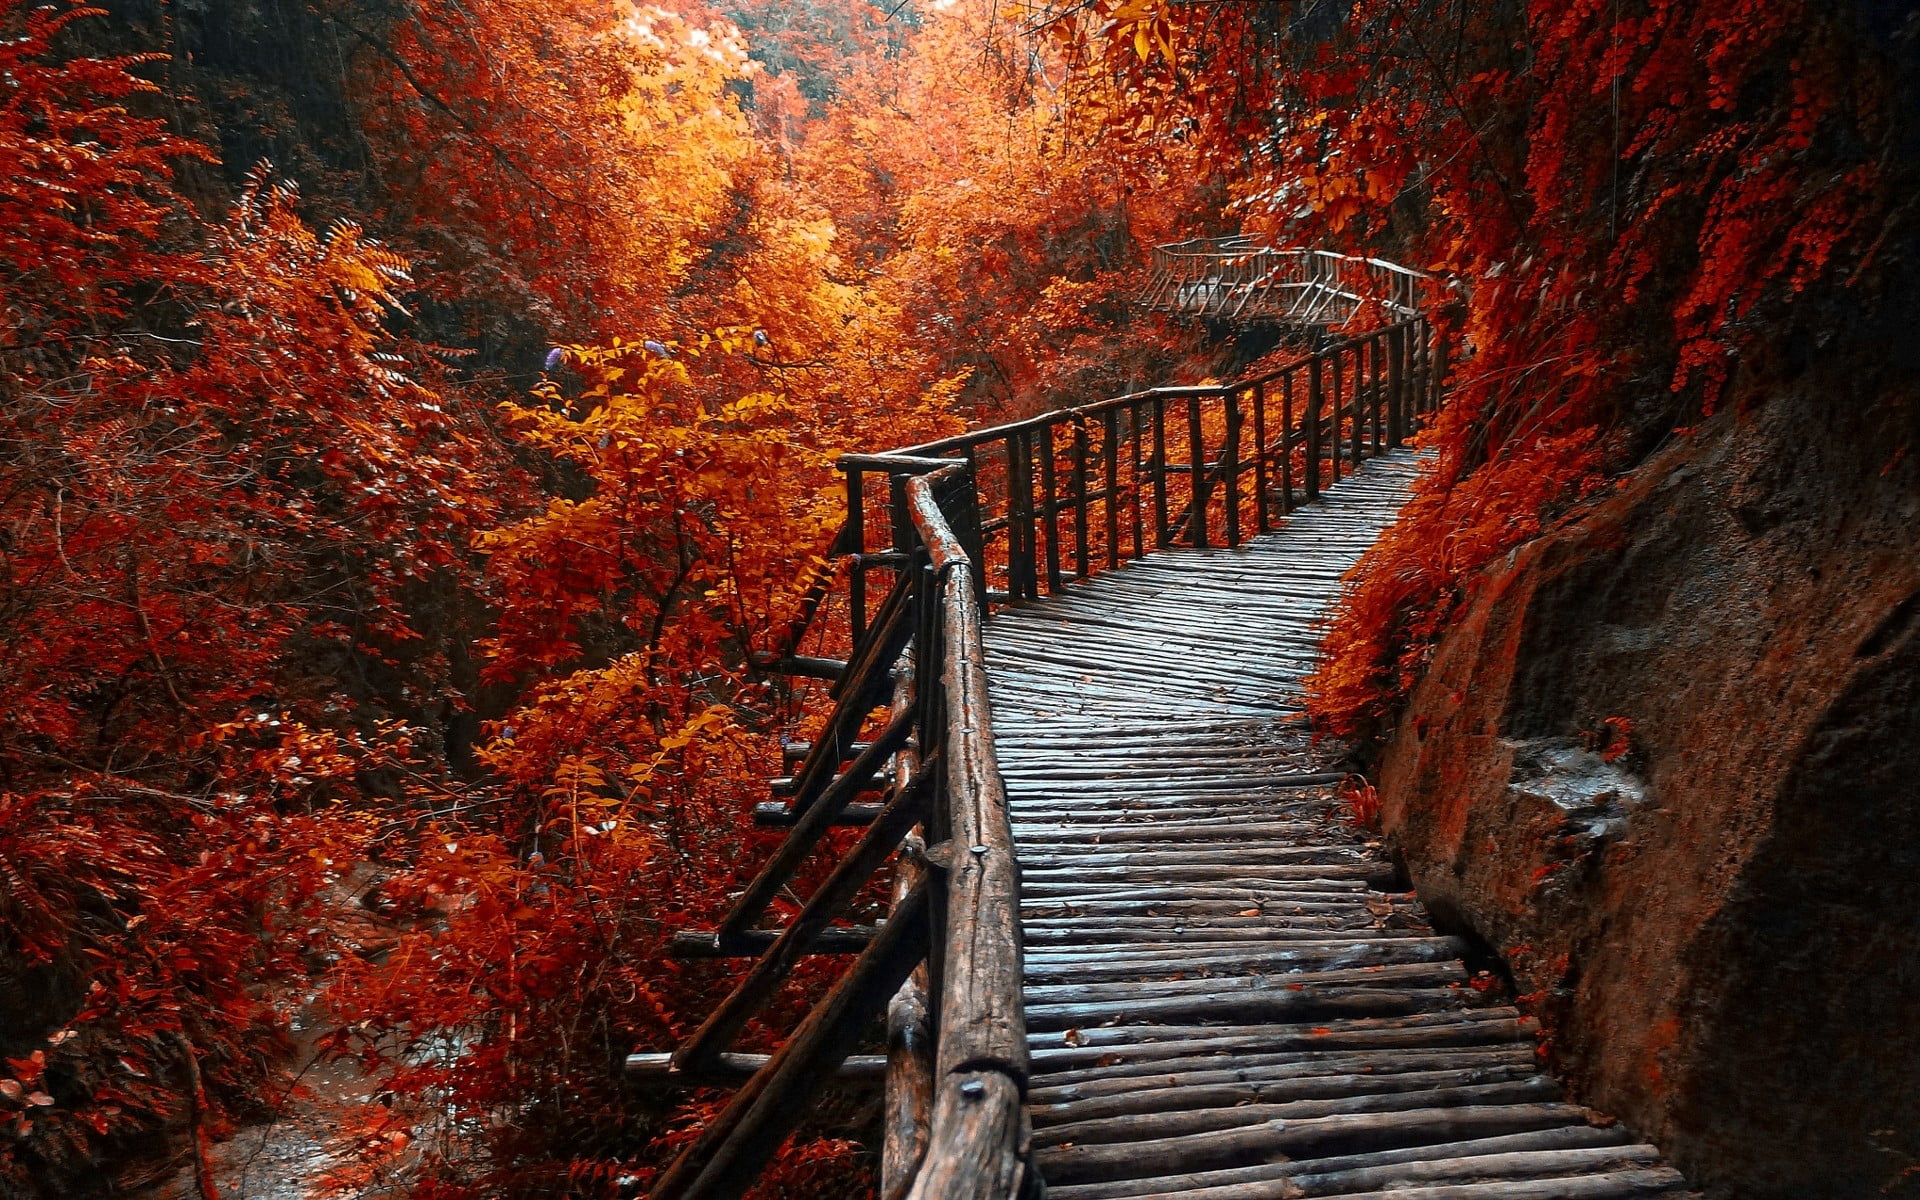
{"type": "Point", "coordinates": [1668, 767]}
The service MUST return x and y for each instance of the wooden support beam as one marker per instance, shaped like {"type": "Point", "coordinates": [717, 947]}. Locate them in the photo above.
{"type": "Point", "coordinates": [708, 943]}
{"type": "Point", "coordinates": [802, 666]}
{"type": "Point", "coordinates": [731, 1151]}
{"type": "Point", "coordinates": [793, 752]}
{"type": "Point", "coordinates": [775, 815]}
{"type": "Point", "coordinates": [789, 785]}
{"type": "Point", "coordinates": [732, 1070]}
{"type": "Point", "coordinates": [812, 825]}
{"type": "Point", "coordinates": [828, 902]}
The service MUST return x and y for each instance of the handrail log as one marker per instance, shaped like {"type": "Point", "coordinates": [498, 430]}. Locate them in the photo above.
{"type": "Point", "coordinates": [980, 1062]}
{"type": "Point", "coordinates": [944, 547]}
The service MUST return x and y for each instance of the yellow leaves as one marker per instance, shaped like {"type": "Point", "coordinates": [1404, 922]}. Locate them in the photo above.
{"type": "Point", "coordinates": [715, 718]}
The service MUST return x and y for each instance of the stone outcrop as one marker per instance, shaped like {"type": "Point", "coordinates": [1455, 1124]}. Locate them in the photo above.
{"type": "Point", "coordinates": [1667, 766]}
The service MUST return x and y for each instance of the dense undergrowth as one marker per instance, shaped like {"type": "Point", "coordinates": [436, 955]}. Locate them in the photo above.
{"type": "Point", "coordinates": [414, 525]}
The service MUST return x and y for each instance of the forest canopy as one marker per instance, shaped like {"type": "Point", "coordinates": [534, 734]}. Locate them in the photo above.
{"type": "Point", "coordinates": [416, 415]}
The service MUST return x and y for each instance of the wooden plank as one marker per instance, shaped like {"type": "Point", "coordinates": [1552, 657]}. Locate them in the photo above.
{"type": "Point", "coordinates": [1187, 1121]}
{"type": "Point", "coordinates": [1314, 1074]}
{"type": "Point", "coordinates": [1294, 1139]}
{"type": "Point", "coordinates": [1573, 1139]}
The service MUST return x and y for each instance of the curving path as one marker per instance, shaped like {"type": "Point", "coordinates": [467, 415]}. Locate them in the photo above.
{"type": "Point", "coordinates": [1226, 995]}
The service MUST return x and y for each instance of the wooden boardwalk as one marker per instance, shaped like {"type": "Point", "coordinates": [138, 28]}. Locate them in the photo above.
{"type": "Point", "coordinates": [1226, 997]}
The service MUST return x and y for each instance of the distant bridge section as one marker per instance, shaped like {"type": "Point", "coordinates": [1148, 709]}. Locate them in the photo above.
{"type": "Point", "coordinates": [1241, 279]}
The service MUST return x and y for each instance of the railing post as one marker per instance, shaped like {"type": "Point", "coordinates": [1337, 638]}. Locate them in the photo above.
{"type": "Point", "coordinates": [1423, 330]}
{"type": "Point", "coordinates": [897, 513]}
{"type": "Point", "coordinates": [1161, 538]}
{"type": "Point", "coordinates": [1110, 444]}
{"type": "Point", "coordinates": [1261, 521]}
{"type": "Point", "coordinates": [1377, 392]}
{"type": "Point", "coordinates": [1359, 407]}
{"type": "Point", "coordinates": [1315, 398]}
{"type": "Point", "coordinates": [1050, 508]}
{"type": "Point", "coordinates": [1397, 373]}
{"type": "Point", "coordinates": [1287, 442]}
{"type": "Point", "coordinates": [856, 567]}
{"type": "Point", "coordinates": [1334, 440]}
{"type": "Point", "coordinates": [1081, 567]}
{"type": "Point", "coordinates": [1137, 499]}
{"type": "Point", "coordinates": [1020, 549]}
{"type": "Point", "coordinates": [1196, 474]}
{"type": "Point", "coordinates": [1396, 420]}
{"type": "Point", "coordinates": [1230, 465]}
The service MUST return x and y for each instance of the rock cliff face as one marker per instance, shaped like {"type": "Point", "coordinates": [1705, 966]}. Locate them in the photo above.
{"type": "Point", "coordinates": [1668, 767]}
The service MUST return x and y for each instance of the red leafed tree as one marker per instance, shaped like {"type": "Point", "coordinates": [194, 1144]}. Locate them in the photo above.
{"type": "Point", "coordinates": [225, 503]}
{"type": "Point", "coordinates": [1642, 201]}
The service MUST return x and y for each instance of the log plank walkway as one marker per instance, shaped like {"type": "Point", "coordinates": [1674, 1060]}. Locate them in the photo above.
{"type": "Point", "coordinates": [1226, 997]}
{"type": "Point", "coordinates": [1135, 950]}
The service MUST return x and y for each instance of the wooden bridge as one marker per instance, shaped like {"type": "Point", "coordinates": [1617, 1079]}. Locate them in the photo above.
{"type": "Point", "coordinates": [1243, 280]}
{"type": "Point", "coordinates": [1131, 946]}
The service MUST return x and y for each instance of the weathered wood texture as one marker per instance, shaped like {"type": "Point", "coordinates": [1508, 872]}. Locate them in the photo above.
{"type": "Point", "coordinates": [1225, 998]}
{"type": "Point", "coordinates": [1156, 962]}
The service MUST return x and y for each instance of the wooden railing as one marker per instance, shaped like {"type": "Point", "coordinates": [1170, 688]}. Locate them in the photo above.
{"type": "Point", "coordinates": [995, 516]}
{"type": "Point", "coordinates": [1067, 494]}
{"type": "Point", "coordinates": [1241, 279]}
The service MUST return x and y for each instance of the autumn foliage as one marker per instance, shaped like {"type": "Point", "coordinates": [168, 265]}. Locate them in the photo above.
{"type": "Point", "coordinates": [1643, 204]}
{"type": "Point", "coordinates": [385, 531]}
{"type": "Point", "coordinates": [378, 607]}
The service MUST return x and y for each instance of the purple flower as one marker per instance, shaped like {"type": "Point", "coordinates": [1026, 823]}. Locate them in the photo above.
{"type": "Point", "coordinates": [659, 349]}
{"type": "Point", "coordinates": [555, 357]}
